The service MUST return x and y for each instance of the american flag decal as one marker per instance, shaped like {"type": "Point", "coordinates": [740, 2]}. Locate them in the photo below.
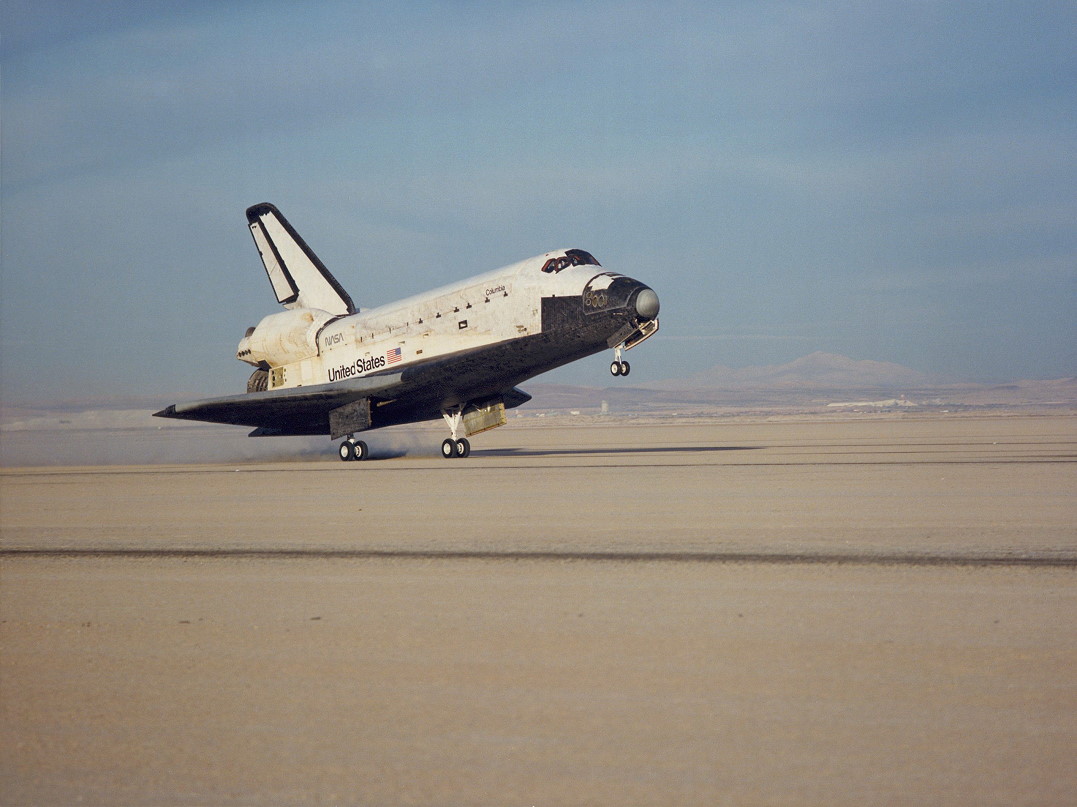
{"type": "Point", "coordinates": [393, 356]}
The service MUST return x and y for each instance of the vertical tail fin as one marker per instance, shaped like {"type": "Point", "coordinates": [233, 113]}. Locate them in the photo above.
{"type": "Point", "coordinates": [298, 277]}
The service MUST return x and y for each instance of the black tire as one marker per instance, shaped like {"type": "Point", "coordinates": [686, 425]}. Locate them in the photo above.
{"type": "Point", "coordinates": [346, 451]}
{"type": "Point", "coordinates": [258, 382]}
{"type": "Point", "coordinates": [360, 451]}
{"type": "Point", "coordinates": [463, 448]}
{"type": "Point", "coordinates": [448, 449]}
{"type": "Point", "coordinates": [615, 368]}
{"type": "Point", "coordinates": [626, 368]}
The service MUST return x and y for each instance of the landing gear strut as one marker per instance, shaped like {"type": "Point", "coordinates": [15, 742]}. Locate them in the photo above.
{"type": "Point", "coordinates": [352, 449]}
{"type": "Point", "coordinates": [618, 367]}
{"type": "Point", "coordinates": [455, 447]}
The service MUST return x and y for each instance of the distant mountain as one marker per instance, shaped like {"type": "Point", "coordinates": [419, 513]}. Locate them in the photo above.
{"type": "Point", "coordinates": [816, 382]}
{"type": "Point", "coordinates": [816, 371]}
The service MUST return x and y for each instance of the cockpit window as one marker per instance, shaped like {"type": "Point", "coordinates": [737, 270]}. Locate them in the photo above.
{"type": "Point", "coordinates": [572, 257]}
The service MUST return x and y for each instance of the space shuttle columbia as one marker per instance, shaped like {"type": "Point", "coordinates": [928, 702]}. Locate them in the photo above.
{"type": "Point", "coordinates": [323, 366]}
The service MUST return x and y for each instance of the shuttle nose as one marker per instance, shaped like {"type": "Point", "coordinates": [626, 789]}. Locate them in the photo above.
{"type": "Point", "coordinates": [646, 304]}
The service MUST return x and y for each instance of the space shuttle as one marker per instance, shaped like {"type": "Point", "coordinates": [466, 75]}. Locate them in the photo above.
{"type": "Point", "coordinates": [324, 366]}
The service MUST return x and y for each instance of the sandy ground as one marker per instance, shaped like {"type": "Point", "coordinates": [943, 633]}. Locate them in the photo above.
{"type": "Point", "coordinates": [836, 612]}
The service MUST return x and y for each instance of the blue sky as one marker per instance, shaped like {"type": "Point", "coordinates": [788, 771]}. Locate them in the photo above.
{"type": "Point", "coordinates": [889, 181]}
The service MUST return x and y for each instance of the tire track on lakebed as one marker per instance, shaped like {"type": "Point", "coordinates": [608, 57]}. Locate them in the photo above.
{"type": "Point", "coordinates": [1028, 560]}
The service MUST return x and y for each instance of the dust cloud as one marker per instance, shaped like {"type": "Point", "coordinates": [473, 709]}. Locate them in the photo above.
{"type": "Point", "coordinates": [134, 437]}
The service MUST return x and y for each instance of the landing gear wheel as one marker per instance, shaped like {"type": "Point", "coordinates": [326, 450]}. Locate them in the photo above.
{"type": "Point", "coordinates": [463, 447]}
{"type": "Point", "coordinates": [615, 368]}
{"type": "Point", "coordinates": [626, 368]}
{"type": "Point", "coordinates": [360, 451]}
{"type": "Point", "coordinates": [448, 449]}
{"type": "Point", "coordinates": [347, 451]}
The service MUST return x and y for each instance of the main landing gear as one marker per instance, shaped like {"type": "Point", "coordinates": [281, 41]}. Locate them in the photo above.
{"type": "Point", "coordinates": [455, 447]}
{"type": "Point", "coordinates": [352, 449]}
{"type": "Point", "coordinates": [618, 367]}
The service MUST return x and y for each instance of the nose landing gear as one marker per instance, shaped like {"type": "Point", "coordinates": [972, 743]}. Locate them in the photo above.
{"type": "Point", "coordinates": [618, 367]}
{"type": "Point", "coordinates": [647, 306]}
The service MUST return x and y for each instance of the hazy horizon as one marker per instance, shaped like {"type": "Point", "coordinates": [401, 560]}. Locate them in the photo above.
{"type": "Point", "coordinates": [902, 377]}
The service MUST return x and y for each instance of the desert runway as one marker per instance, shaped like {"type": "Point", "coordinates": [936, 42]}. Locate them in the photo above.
{"type": "Point", "coordinates": [843, 611]}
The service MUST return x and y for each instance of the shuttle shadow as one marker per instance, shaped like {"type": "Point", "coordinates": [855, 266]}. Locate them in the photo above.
{"type": "Point", "coordinates": [596, 451]}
